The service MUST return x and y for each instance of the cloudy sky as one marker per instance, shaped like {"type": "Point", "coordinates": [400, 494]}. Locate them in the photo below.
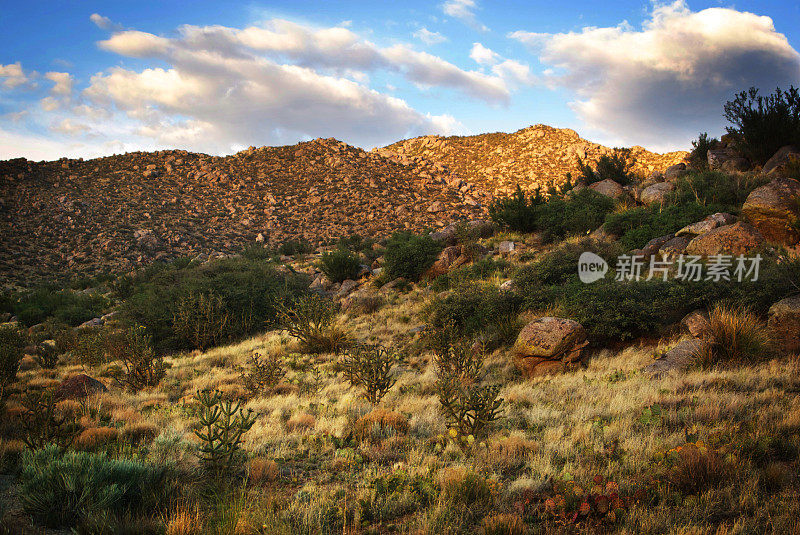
{"type": "Point", "coordinates": [88, 78]}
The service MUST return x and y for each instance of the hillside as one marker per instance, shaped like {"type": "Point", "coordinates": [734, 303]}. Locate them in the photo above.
{"type": "Point", "coordinates": [539, 155]}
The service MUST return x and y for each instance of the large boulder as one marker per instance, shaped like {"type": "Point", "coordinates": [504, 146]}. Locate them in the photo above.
{"type": "Point", "coordinates": [674, 247]}
{"type": "Point", "coordinates": [674, 172]}
{"type": "Point", "coordinates": [784, 324]}
{"type": "Point", "coordinates": [734, 239]}
{"type": "Point", "coordinates": [444, 263]}
{"type": "Point", "coordinates": [682, 356]}
{"type": "Point", "coordinates": [774, 209]}
{"type": "Point", "coordinates": [657, 193]}
{"type": "Point", "coordinates": [696, 323]}
{"type": "Point", "coordinates": [79, 386]}
{"type": "Point", "coordinates": [720, 219]}
{"type": "Point", "coordinates": [548, 345]}
{"type": "Point", "coordinates": [608, 187]}
{"type": "Point", "coordinates": [777, 165]}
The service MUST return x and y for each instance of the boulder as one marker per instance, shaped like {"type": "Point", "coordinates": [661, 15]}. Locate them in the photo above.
{"type": "Point", "coordinates": [719, 158]}
{"type": "Point", "coordinates": [656, 193]}
{"type": "Point", "coordinates": [777, 165]}
{"type": "Point", "coordinates": [734, 239]}
{"type": "Point", "coordinates": [680, 357]}
{"type": "Point", "coordinates": [784, 324]}
{"type": "Point", "coordinates": [505, 247]}
{"type": "Point", "coordinates": [674, 247]}
{"type": "Point", "coordinates": [774, 210]}
{"type": "Point", "coordinates": [711, 222]}
{"type": "Point", "coordinates": [347, 287]}
{"type": "Point", "coordinates": [548, 345]}
{"type": "Point", "coordinates": [674, 172]}
{"type": "Point", "coordinates": [696, 323]}
{"type": "Point", "coordinates": [608, 187]}
{"type": "Point", "coordinates": [736, 165]}
{"type": "Point", "coordinates": [79, 386]}
{"type": "Point", "coordinates": [446, 259]}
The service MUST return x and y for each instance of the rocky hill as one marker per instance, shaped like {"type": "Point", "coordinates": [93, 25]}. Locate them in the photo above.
{"type": "Point", "coordinates": [115, 213]}
{"type": "Point", "coordinates": [495, 163]}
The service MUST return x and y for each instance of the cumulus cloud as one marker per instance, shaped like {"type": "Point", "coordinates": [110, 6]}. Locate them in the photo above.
{"type": "Point", "coordinates": [663, 83]}
{"type": "Point", "coordinates": [464, 10]}
{"type": "Point", "coordinates": [135, 44]}
{"type": "Point", "coordinates": [483, 55]}
{"type": "Point", "coordinates": [12, 75]}
{"type": "Point", "coordinates": [62, 83]}
{"type": "Point", "coordinates": [104, 23]}
{"type": "Point", "coordinates": [428, 37]}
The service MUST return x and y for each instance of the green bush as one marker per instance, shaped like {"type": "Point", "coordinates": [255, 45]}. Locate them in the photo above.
{"type": "Point", "coordinates": [340, 265]}
{"type": "Point", "coordinates": [295, 247]}
{"type": "Point", "coordinates": [409, 255]}
{"type": "Point", "coordinates": [311, 319]}
{"type": "Point", "coordinates": [556, 218]}
{"type": "Point", "coordinates": [762, 125]}
{"type": "Point", "coordinates": [63, 491]}
{"type": "Point", "coordinates": [477, 310]}
{"type": "Point", "coordinates": [616, 167]}
{"type": "Point", "coordinates": [639, 225]}
{"type": "Point", "coordinates": [715, 190]}
{"type": "Point", "coordinates": [560, 265]}
{"type": "Point", "coordinates": [255, 252]}
{"type": "Point", "coordinates": [12, 342]}
{"type": "Point", "coordinates": [698, 158]}
{"type": "Point", "coordinates": [245, 293]}
{"type": "Point", "coordinates": [67, 306]}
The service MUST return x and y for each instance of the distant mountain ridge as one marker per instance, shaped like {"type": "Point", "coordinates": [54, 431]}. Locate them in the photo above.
{"type": "Point", "coordinates": [118, 212]}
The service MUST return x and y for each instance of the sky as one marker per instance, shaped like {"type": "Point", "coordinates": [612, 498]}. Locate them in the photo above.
{"type": "Point", "coordinates": [89, 78]}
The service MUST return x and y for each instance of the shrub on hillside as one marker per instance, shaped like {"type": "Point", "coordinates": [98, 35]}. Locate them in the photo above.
{"type": "Point", "coordinates": [311, 319]}
{"type": "Point", "coordinates": [557, 217]}
{"type": "Point", "coordinates": [370, 367]}
{"type": "Point", "coordinates": [639, 225]}
{"type": "Point", "coordinates": [409, 255]}
{"type": "Point", "coordinates": [735, 335]}
{"type": "Point", "coordinates": [764, 124]}
{"type": "Point", "coordinates": [340, 265]}
{"type": "Point", "coordinates": [295, 247]}
{"type": "Point", "coordinates": [244, 294]}
{"type": "Point", "coordinates": [12, 343]}
{"type": "Point", "coordinates": [616, 166]}
{"type": "Point", "coordinates": [67, 306]}
{"type": "Point", "coordinates": [141, 367]}
{"type": "Point", "coordinates": [698, 158]}
{"type": "Point", "coordinates": [65, 490]}
{"type": "Point", "coordinates": [715, 190]}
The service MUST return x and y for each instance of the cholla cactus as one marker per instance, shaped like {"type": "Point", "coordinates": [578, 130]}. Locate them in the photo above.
{"type": "Point", "coordinates": [222, 425]}
{"type": "Point", "coordinates": [264, 372]}
{"type": "Point", "coordinates": [370, 367]}
{"type": "Point", "coordinates": [43, 422]}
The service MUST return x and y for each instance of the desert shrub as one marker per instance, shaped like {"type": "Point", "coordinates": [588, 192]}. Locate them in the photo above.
{"type": "Point", "coordinates": [89, 347]}
{"type": "Point", "coordinates": [555, 218]}
{"type": "Point", "coordinates": [202, 319]}
{"type": "Point", "coordinates": [311, 319]}
{"type": "Point", "coordinates": [46, 355]}
{"type": "Point", "coordinates": [220, 428]}
{"type": "Point", "coordinates": [616, 166]}
{"type": "Point", "coordinates": [637, 226]}
{"type": "Point", "coordinates": [340, 265]}
{"type": "Point", "coordinates": [397, 494]}
{"type": "Point", "coordinates": [467, 492]}
{"type": "Point", "coordinates": [409, 255]}
{"type": "Point", "coordinates": [735, 335]}
{"type": "Point", "coordinates": [763, 124]}
{"type": "Point", "coordinates": [12, 342]}
{"type": "Point", "coordinates": [503, 524]}
{"type": "Point", "coordinates": [67, 306]}
{"type": "Point", "coordinates": [694, 470]}
{"type": "Point", "coordinates": [698, 157]}
{"type": "Point", "coordinates": [475, 309]}
{"type": "Point", "coordinates": [370, 367]}
{"type": "Point", "coordinates": [63, 490]}
{"type": "Point", "coordinates": [717, 191]}
{"type": "Point", "coordinates": [382, 421]}
{"type": "Point", "coordinates": [244, 292]}
{"type": "Point", "coordinates": [560, 265]}
{"type": "Point", "coordinates": [141, 367]}
{"type": "Point", "coordinates": [256, 252]}
{"type": "Point", "coordinates": [44, 423]}
{"type": "Point", "coordinates": [264, 372]}
{"type": "Point", "coordinates": [295, 247]}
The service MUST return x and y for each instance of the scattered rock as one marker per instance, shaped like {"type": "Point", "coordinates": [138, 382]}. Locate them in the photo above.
{"type": "Point", "coordinates": [608, 187]}
{"type": "Point", "coordinates": [674, 172]}
{"type": "Point", "coordinates": [784, 324]}
{"type": "Point", "coordinates": [680, 357]}
{"type": "Point", "coordinates": [79, 386]}
{"type": "Point", "coordinates": [696, 323]}
{"type": "Point", "coordinates": [734, 239]}
{"type": "Point", "coordinates": [549, 345]}
{"type": "Point", "coordinates": [656, 193]}
{"type": "Point", "coordinates": [505, 247]}
{"type": "Point", "coordinates": [776, 166]}
{"type": "Point", "coordinates": [774, 209]}
{"type": "Point", "coordinates": [346, 287]}
{"type": "Point", "coordinates": [709, 223]}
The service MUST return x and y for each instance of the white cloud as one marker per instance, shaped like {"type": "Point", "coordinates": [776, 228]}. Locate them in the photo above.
{"type": "Point", "coordinates": [70, 127]}
{"type": "Point", "coordinates": [50, 103]}
{"type": "Point", "coordinates": [12, 75]}
{"type": "Point", "coordinates": [483, 55]}
{"type": "Point", "coordinates": [135, 44]}
{"type": "Point", "coordinates": [428, 37]}
{"type": "Point", "coordinates": [464, 11]}
{"type": "Point", "coordinates": [104, 23]}
{"type": "Point", "coordinates": [662, 84]}
{"type": "Point", "coordinates": [63, 83]}
{"type": "Point", "coordinates": [515, 73]}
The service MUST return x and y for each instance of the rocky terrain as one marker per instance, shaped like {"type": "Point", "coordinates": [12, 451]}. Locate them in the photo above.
{"type": "Point", "coordinates": [114, 213]}
{"type": "Point", "coordinates": [537, 156]}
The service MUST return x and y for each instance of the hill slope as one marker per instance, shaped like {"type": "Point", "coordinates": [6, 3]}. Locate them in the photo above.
{"type": "Point", "coordinates": [539, 155]}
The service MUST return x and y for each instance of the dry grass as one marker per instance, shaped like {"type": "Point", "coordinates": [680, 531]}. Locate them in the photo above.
{"type": "Point", "coordinates": [735, 335]}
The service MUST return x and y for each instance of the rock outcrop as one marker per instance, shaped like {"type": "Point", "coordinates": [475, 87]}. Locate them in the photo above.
{"type": "Point", "coordinates": [774, 209]}
{"type": "Point", "coordinates": [549, 345]}
{"type": "Point", "coordinates": [784, 324]}
{"type": "Point", "coordinates": [735, 239]}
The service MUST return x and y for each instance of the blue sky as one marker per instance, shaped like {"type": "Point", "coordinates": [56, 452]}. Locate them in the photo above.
{"type": "Point", "coordinates": [88, 78]}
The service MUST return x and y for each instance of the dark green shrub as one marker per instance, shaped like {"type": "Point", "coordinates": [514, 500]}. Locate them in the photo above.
{"type": "Point", "coordinates": [255, 252]}
{"type": "Point", "coordinates": [616, 166]}
{"type": "Point", "coordinates": [295, 247]}
{"type": "Point", "coordinates": [89, 347]}
{"type": "Point", "coordinates": [63, 490]}
{"type": "Point", "coordinates": [43, 422]}
{"type": "Point", "coordinates": [637, 226]}
{"type": "Point", "coordinates": [715, 190]}
{"type": "Point", "coordinates": [698, 158]}
{"type": "Point", "coordinates": [12, 342]}
{"type": "Point", "coordinates": [340, 265]}
{"type": "Point", "coordinates": [67, 306]}
{"type": "Point", "coordinates": [560, 265]}
{"type": "Point", "coordinates": [141, 367]}
{"type": "Point", "coordinates": [517, 212]}
{"type": "Point", "coordinates": [310, 319]}
{"type": "Point", "coordinates": [477, 310]}
{"type": "Point", "coordinates": [241, 292]}
{"type": "Point", "coordinates": [762, 125]}
{"type": "Point", "coordinates": [409, 255]}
